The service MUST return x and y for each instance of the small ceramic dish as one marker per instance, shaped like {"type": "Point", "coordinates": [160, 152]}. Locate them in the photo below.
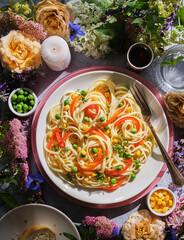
{"type": "Point", "coordinates": [22, 102]}
{"type": "Point", "coordinates": [161, 201]}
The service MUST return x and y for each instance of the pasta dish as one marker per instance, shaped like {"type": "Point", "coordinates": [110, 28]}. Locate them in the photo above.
{"type": "Point", "coordinates": [97, 138]}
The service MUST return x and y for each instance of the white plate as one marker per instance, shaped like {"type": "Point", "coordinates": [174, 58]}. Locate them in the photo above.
{"type": "Point", "coordinates": [151, 169]}
{"type": "Point", "coordinates": [17, 220]}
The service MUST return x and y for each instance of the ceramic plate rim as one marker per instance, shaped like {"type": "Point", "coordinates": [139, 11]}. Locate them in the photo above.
{"type": "Point", "coordinates": [106, 69]}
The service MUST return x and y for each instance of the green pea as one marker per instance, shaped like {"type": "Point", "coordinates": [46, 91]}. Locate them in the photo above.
{"type": "Point", "coordinates": [25, 107]}
{"type": "Point", "coordinates": [134, 130]}
{"type": "Point", "coordinates": [119, 167]}
{"type": "Point", "coordinates": [19, 107]}
{"type": "Point", "coordinates": [66, 102]}
{"type": "Point", "coordinates": [133, 176]}
{"type": "Point", "coordinates": [30, 107]}
{"type": "Point", "coordinates": [86, 119]}
{"type": "Point", "coordinates": [14, 97]}
{"type": "Point", "coordinates": [74, 169]}
{"type": "Point", "coordinates": [32, 102]}
{"type": "Point", "coordinates": [113, 180]}
{"type": "Point", "coordinates": [128, 156]}
{"type": "Point", "coordinates": [54, 148]}
{"type": "Point", "coordinates": [75, 146]}
{"type": "Point", "coordinates": [20, 98]}
{"type": "Point", "coordinates": [57, 116]}
{"type": "Point", "coordinates": [150, 139]}
{"type": "Point", "coordinates": [14, 102]}
{"type": "Point", "coordinates": [20, 92]}
{"type": "Point", "coordinates": [107, 128]}
{"type": "Point", "coordinates": [94, 150]}
{"type": "Point", "coordinates": [102, 119]}
{"type": "Point", "coordinates": [86, 136]}
{"type": "Point", "coordinates": [25, 93]}
{"type": "Point", "coordinates": [122, 154]}
{"type": "Point", "coordinates": [83, 92]}
{"type": "Point", "coordinates": [120, 105]}
{"type": "Point", "coordinates": [21, 103]}
{"type": "Point", "coordinates": [25, 99]}
{"type": "Point", "coordinates": [30, 97]}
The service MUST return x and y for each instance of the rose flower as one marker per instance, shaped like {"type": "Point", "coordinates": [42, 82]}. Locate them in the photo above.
{"type": "Point", "coordinates": [54, 17]}
{"type": "Point", "coordinates": [19, 51]}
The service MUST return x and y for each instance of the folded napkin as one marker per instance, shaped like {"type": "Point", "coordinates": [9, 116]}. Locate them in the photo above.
{"type": "Point", "coordinates": [175, 107]}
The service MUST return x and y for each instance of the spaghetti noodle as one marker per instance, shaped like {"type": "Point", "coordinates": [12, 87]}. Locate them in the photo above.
{"type": "Point", "coordinates": [97, 138]}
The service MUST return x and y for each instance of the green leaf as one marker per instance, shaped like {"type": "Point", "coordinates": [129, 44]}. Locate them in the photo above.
{"type": "Point", "coordinates": [181, 14]}
{"type": "Point", "coordinates": [172, 61]}
{"type": "Point", "coordinates": [69, 236]}
{"type": "Point", "coordinates": [9, 199]}
{"type": "Point", "coordinates": [110, 29]}
{"type": "Point", "coordinates": [10, 180]}
{"type": "Point", "coordinates": [138, 21]}
{"type": "Point", "coordinates": [4, 8]}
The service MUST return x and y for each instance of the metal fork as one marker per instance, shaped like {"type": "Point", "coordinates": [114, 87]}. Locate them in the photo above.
{"type": "Point", "coordinates": [176, 176]}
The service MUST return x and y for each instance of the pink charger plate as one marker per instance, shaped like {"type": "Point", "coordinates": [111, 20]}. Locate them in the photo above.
{"type": "Point", "coordinates": [59, 83]}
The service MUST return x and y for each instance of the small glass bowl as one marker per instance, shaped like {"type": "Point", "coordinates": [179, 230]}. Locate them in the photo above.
{"type": "Point", "coordinates": [171, 78]}
{"type": "Point", "coordinates": [151, 209]}
{"type": "Point", "coordinates": [29, 113]}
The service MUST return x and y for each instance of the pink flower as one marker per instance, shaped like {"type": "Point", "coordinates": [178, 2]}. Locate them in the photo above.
{"type": "Point", "coordinates": [31, 28]}
{"type": "Point", "coordinates": [16, 140]}
{"type": "Point", "coordinates": [104, 227]}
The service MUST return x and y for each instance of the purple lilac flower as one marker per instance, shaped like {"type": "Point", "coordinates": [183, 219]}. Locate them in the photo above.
{"type": "Point", "coordinates": [33, 182]}
{"type": "Point", "coordinates": [168, 22]}
{"type": "Point", "coordinates": [74, 31]}
{"type": "Point", "coordinates": [170, 234]}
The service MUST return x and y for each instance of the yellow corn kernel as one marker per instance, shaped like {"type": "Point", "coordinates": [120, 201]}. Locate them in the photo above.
{"type": "Point", "coordinates": [93, 175]}
{"type": "Point", "coordinates": [167, 197]}
{"type": "Point", "coordinates": [83, 152]}
{"type": "Point", "coordinates": [138, 153]}
{"type": "Point", "coordinates": [129, 109]}
{"type": "Point", "coordinates": [50, 134]}
{"type": "Point", "coordinates": [152, 204]}
{"type": "Point", "coordinates": [159, 202]}
{"type": "Point", "coordinates": [66, 107]}
{"type": "Point", "coordinates": [156, 198]}
{"type": "Point", "coordinates": [64, 125]}
{"type": "Point", "coordinates": [95, 98]}
{"type": "Point", "coordinates": [165, 209]}
{"type": "Point", "coordinates": [107, 94]}
{"type": "Point", "coordinates": [78, 150]}
{"type": "Point", "coordinates": [152, 198]}
{"type": "Point", "coordinates": [159, 210]}
{"type": "Point", "coordinates": [160, 195]}
{"type": "Point", "coordinates": [170, 203]}
{"type": "Point", "coordinates": [74, 96]}
{"type": "Point", "coordinates": [85, 127]}
{"type": "Point", "coordinates": [107, 132]}
{"type": "Point", "coordinates": [86, 179]}
{"type": "Point", "coordinates": [108, 179]}
{"type": "Point", "coordinates": [164, 193]}
{"type": "Point", "coordinates": [115, 140]}
{"type": "Point", "coordinates": [163, 203]}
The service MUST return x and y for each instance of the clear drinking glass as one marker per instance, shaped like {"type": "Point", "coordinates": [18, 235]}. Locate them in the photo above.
{"type": "Point", "coordinates": [171, 78]}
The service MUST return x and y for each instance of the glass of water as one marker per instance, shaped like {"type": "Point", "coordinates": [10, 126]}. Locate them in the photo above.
{"type": "Point", "coordinates": [171, 78]}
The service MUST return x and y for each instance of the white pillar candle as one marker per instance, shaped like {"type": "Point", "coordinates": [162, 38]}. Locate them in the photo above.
{"type": "Point", "coordinates": [56, 53]}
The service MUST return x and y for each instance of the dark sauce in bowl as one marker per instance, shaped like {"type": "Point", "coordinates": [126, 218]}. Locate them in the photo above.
{"type": "Point", "coordinates": [140, 56]}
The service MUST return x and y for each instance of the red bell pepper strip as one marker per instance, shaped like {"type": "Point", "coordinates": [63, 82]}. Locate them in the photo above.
{"type": "Point", "coordinates": [140, 143]}
{"type": "Point", "coordinates": [50, 143]}
{"type": "Point", "coordinates": [57, 134]}
{"type": "Point", "coordinates": [63, 139]}
{"type": "Point", "coordinates": [114, 186]}
{"type": "Point", "coordinates": [90, 108]}
{"type": "Point", "coordinates": [133, 119]}
{"type": "Point", "coordinates": [73, 104]}
{"type": "Point", "coordinates": [116, 114]}
{"type": "Point", "coordinates": [84, 171]}
{"type": "Point", "coordinates": [97, 132]}
{"type": "Point", "coordinates": [98, 160]}
{"type": "Point", "coordinates": [116, 172]}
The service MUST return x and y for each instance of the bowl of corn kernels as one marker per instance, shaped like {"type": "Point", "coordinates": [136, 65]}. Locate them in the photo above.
{"type": "Point", "coordinates": [161, 201]}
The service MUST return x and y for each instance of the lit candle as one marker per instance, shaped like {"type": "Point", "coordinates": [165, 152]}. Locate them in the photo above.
{"type": "Point", "coordinates": [56, 53]}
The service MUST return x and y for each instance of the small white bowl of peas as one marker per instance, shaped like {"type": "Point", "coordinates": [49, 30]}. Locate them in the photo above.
{"type": "Point", "coordinates": [161, 201]}
{"type": "Point", "coordinates": [22, 102]}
